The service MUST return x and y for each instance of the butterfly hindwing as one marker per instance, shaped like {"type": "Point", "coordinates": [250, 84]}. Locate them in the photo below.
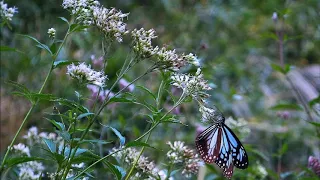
{"type": "Point", "coordinates": [239, 154]}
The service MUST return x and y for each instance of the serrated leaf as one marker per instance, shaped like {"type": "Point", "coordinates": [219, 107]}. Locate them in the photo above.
{"type": "Point", "coordinates": [64, 19]}
{"type": "Point", "coordinates": [50, 144]}
{"type": "Point", "coordinates": [61, 63]}
{"type": "Point", "coordinates": [138, 144]}
{"type": "Point", "coordinates": [18, 160]}
{"type": "Point", "coordinates": [59, 125]}
{"type": "Point", "coordinates": [39, 44]}
{"type": "Point", "coordinates": [147, 91]}
{"type": "Point", "coordinates": [84, 115]}
{"type": "Point", "coordinates": [286, 107]}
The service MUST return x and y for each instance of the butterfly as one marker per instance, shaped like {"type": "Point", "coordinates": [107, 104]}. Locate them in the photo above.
{"type": "Point", "coordinates": [219, 144]}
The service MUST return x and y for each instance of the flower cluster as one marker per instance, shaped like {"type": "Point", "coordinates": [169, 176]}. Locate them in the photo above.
{"type": "Point", "coordinates": [82, 9]}
{"type": "Point", "coordinates": [145, 168]}
{"type": "Point", "coordinates": [142, 43]}
{"type": "Point", "coordinates": [30, 170]}
{"type": "Point", "coordinates": [194, 86]}
{"type": "Point", "coordinates": [52, 33]}
{"type": "Point", "coordinates": [170, 60]}
{"type": "Point", "coordinates": [181, 154]}
{"type": "Point", "coordinates": [84, 74]}
{"type": "Point", "coordinates": [314, 164]}
{"type": "Point", "coordinates": [22, 149]}
{"type": "Point", "coordinates": [7, 13]}
{"type": "Point", "coordinates": [90, 12]}
{"type": "Point", "coordinates": [33, 137]}
{"type": "Point", "coordinates": [110, 22]}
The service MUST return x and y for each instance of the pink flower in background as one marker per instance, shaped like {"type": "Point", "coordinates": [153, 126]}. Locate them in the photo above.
{"type": "Point", "coordinates": [124, 83]}
{"type": "Point", "coordinates": [314, 164]}
{"type": "Point", "coordinates": [94, 92]}
{"type": "Point", "coordinates": [97, 62]}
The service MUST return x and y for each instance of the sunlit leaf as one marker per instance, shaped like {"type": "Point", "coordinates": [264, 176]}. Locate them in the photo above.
{"type": "Point", "coordinates": [50, 144]}
{"type": "Point", "coordinates": [287, 107]}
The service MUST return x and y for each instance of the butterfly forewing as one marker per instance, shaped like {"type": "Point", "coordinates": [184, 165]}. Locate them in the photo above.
{"type": "Point", "coordinates": [239, 154]}
{"type": "Point", "coordinates": [207, 145]}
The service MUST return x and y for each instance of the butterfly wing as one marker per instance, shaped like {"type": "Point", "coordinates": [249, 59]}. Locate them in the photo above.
{"type": "Point", "coordinates": [239, 154]}
{"type": "Point", "coordinates": [208, 143]}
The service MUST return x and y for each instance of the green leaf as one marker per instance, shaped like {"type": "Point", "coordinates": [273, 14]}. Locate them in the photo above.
{"type": "Point", "coordinates": [118, 134]}
{"type": "Point", "coordinates": [50, 144]}
{"type": "Point", "coordinates": [64, 19]}
{"type": "Point", "coordinates": [7, 48]}
{"type": "Point", "coordinates": [147, 91]}
{"type": "Point", "coordinates": [314, 101]}
{"type": "Point", "coordinates": [18, 160]}
{"type": "Point", "coordinates": [84, 115]}
{"type": "Point", "coordinates": [278, 68]}
{"type": "Point", "coordinates": [39, 44]}
{"type": "Point", "coordinates": [138, 144]}
{"type": "Point", "coordinates": [87, 156]}
{"type": "Point", "coordinates": [53, 48]}
{"type": "Point", "coordinates": [59, 125]}
{"type": "Point", "coordinates": [121, 99]}
{"type": "Point", "coordinates": [62, 63]}
{"type": "Point", "coordinates": [95, 141]}
{"type": "Point", "coordinates": [116, 170]}
{"type": "Point", "coordinates": [314, 123]}
{"type": "Point", "coordinates": [286, 107]}
{"type": "Point", "coordinates": [64, 134]}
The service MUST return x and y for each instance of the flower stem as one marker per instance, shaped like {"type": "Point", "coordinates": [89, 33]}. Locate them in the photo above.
{"type": "Point", "coordinates": [54, 57]}
{"type": "Point", "coordinates": [149, 133]}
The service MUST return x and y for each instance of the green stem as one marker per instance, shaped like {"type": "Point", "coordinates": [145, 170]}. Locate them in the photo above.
{"type": "Point", "coordinates": [149, 133]}
{"type": "Point", "coordinates": [54, 57]}
{"type": "Point", "coordinates": [97, 114]}
{"type": "Point", "coordinates": [101, 159]}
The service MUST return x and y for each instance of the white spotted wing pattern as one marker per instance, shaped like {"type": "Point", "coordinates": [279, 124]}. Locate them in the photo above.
{"type": "Point", "coordinates": [220, 145]}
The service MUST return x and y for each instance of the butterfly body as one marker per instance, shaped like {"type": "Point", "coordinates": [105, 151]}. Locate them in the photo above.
{"type": "Point", "coordinates": [219, 144]}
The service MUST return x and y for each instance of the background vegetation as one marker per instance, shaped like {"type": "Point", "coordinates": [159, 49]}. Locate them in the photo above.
{"type": "Point", "coordinates": [239, 51]}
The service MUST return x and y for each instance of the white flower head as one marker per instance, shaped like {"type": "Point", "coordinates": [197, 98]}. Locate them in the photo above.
{"type": "Point", "coordinates": [22, 148]}
{"type": "Point", "coordinates": [194, 86]}
{"type": "Point", "coordinates": [142, 40]}
{"type": "Point", "coordinates": [52, 33]}
{"type": "Point", "coordinates": [180, 154]}
{"type": "Point", "coordinates": [7, 13]}
{"type": "Point", "coordinates": [30, 170]}
{"type": "Point", "coordinates": [84, 74]}
{"type": "Point", "coordinates": [110, 22]}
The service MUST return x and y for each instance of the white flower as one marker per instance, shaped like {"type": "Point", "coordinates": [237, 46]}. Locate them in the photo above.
{"type": "Point", "coordinates": [7, 13]}
{"type": "Point", "coordinates": [144, 166]}
{"type": "Point", "coordinates": [187, 158]}
{"type": "Point", "coordinates": [142, 42]}
{"type": "Point", "coordinates": [194, 86]}
{"type": "Point", "coordinates": [30, 170]}
{"type": "Point", "coordinates": [22, 148]}
{"type": "Point", "coordinates": [110, 22]}
{"type": "Point", "coordinates": [52, 33]}
{"type": "Point", "coordinates": [82, 9]}
{"type": "Point", "coordinates": [84, 74]}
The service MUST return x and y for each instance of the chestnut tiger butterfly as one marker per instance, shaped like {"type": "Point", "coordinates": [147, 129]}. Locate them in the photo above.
{"type": "Point", "coordinates": [219, 144]}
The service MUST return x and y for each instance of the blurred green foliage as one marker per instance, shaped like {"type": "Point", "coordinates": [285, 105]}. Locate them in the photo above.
{"type": "Point", "coordinates": [236, 44]}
